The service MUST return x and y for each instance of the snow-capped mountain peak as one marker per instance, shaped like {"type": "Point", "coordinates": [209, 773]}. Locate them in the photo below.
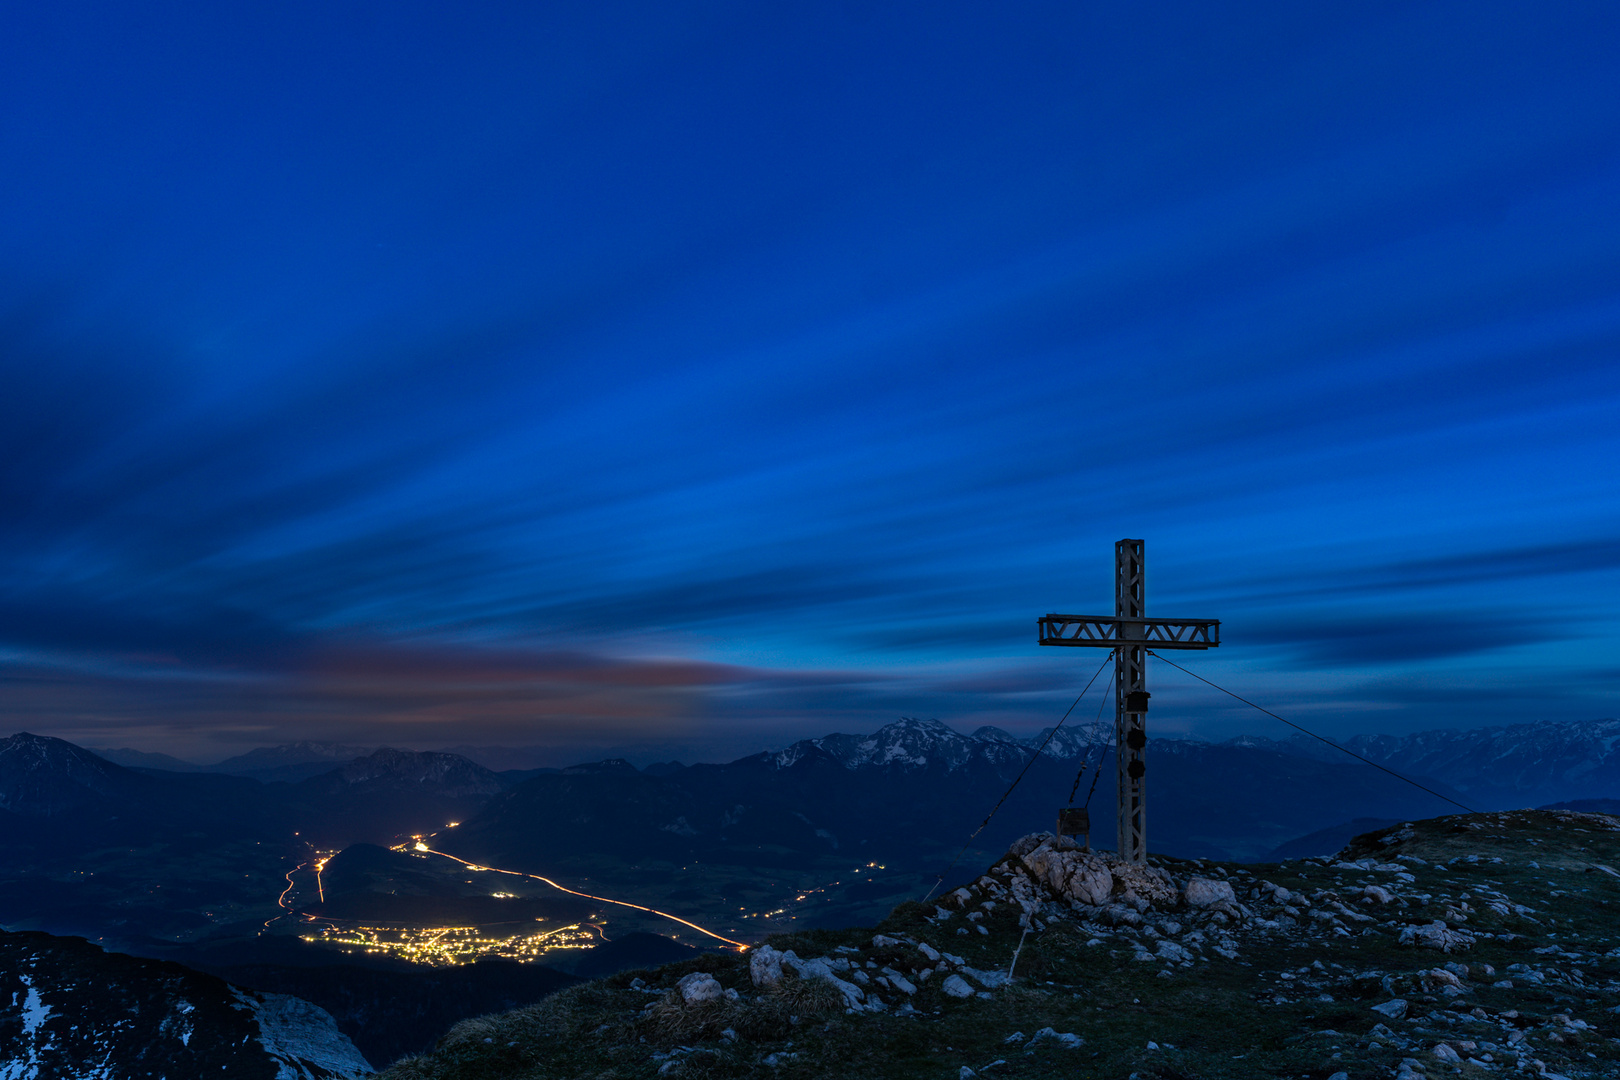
{"type": "Point", "coordinates": [911, 744]}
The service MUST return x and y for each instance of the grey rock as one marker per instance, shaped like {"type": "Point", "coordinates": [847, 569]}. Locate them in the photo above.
{"type": "Point", "coordinates": [1437, 935]}
{"type": "Point", "coordinates": [700, 988]}
{"type": "Point", "coordinates": [1066, 1039]}
{"type": "Point", "coordinates": [1204, 892]}
{"type": "Point", "coordinates": [765, 966]}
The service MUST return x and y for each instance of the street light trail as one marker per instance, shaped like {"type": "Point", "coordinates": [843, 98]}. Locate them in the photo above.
{"type": "Point", "coordinates": [281, 900]}
{"type": "Point", "coordinates": [575, 892]}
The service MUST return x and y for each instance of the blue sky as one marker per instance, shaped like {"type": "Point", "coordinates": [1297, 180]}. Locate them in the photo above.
{"type": "Point", "coordinates": [685, 379]}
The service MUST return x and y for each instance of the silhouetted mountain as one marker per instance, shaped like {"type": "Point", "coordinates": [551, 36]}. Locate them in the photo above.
{"type": "Point", "coordinates": [610, 767]}
{"type": "Point", "coordinates": [1326, 841]}
{"type": "Point", "coordinates": [507, 758]}
{"type": "Point", "coordinates": [911, 745]}
{"type": "Point", "coordinates": [78, 1012]}
{"type": "Point", "coordinates": [443, 774]}
{"type": "Point", "coordinates": [393, 793]}
{"type": "Point", "coordinates": [141, 759]}
{"type": "Point", "coordinates": [1588, 806]}
{"type": "Point", "coordinates": [1493, 767]}
{"type": "Point", "coordinates": [42, 777]}
{"type": "Point", "coordinates": [907, 797]}
{"type": "Point", "coordinates": [290, 762]}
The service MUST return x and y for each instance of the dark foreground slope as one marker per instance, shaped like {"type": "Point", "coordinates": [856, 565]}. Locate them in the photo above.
{"type": "Point", "coordinates": [68, 1010]}
{"type": "Point", "coordinates": [1319, 968]}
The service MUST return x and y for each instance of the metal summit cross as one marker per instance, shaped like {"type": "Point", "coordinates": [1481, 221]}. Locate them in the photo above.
{"type": "Point", "coordinates": [1129, 633]}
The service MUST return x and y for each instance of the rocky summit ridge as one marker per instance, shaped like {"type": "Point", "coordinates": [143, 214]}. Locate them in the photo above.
{"type": "Point", "coordinates": [1474, 945]}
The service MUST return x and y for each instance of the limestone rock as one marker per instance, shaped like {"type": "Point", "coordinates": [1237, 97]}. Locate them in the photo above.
{"type": "Point", "coordinates": [1394, 1009]}
{"type": "Point", "coordinates": [1437, 935]}
{"type": "Point", "coordinates": [987, 979]}
{"type": "Point", "coordinates": [820, 968]}
{"type": "Point", "coordinates": [1025, 844]}
{"type": "Point", "coordinates": [1169, 950]}
{"type": "Point", "coordinates": [765, 966]}
{"type": "Point", "coordinates": [1066, 1039]}
{"type": "Point", "coordinates": [699, 988]}
{"type": "Point", "coordinates": [957, 987]}
{"type": "Point", "coordinates": [1439, 979]}
{"type": "Point", "coordinates": [899, 981]}
{"type": "Point", "coordinates": [1072, 875]}
{"type": "Point", "coordinates": [1206, 892]}
{"type": "Point", "coordinates": [1146, 883]}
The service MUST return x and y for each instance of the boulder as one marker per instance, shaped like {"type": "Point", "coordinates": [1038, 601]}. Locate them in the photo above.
{"type": "Point", "coordinates": [1025, 844]}
{"type": "Point", "coordinates": [1169, 950]}
{"type": "Point", "coordinates": [1207, 892]}
{"type": "Point", "coordinates": [1437, 935]}
{"type": "Point", "coordinates": [1437, 979]}
{"type": "Point", "coordinates": [699, 988]}
{"type": "Point", "coordinates": [820, 968]}
{"type": "Point", "coordinates": [1066, 1039]}
{"type": "Point", "coordinates": [1080, 876]}
{"type": "Point", "coordinates": [987, 979]}
{"type": "Point", "coordinates": [1394, 1009]}
{"type": "Point", "coordinates": [765, 966]}
{"type": "Point", "coordinates": [957, 987]}
{"type": "Point", "coordinates": [1149, 885]}
{"type": "Point", "coordinates": [899, 981]}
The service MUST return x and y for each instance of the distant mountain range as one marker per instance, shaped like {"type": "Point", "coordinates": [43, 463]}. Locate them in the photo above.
{"type": "Point", "coordinates": [1495, 767]}
{"type": "Point", "coordinates": [910, 794]}
{"type": "Point", "coordinates": [906, 796]}
{"type": "Point", "coordinates": [1520, 764]}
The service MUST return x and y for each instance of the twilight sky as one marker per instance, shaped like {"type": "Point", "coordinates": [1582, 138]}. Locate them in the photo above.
{"type": "Point", "coordinates": [683, 379]}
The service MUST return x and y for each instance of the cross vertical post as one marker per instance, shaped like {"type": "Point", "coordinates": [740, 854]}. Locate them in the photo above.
{"type": "Point", "coordinates": [1130, 700]}
{"type": "Point", "coordinates": [1129, 633]}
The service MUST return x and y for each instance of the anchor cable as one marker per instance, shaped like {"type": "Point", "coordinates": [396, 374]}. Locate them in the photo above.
{"type": "Point", "coordinates": [1096, 776]}
{"type": "Point", "coordinates": [1314, 735]}
{"type": "Point", "coordinates": [941, 879]}
{"type": "Point", "coordinates": [1085, 758]}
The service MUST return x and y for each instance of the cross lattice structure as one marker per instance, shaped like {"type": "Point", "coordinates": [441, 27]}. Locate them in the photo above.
{"type": "Point", "coordinates": [1129, 633]}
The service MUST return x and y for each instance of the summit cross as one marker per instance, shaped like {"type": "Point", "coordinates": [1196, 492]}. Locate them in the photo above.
{"type": "Point", "coordinates": [1130, 633]}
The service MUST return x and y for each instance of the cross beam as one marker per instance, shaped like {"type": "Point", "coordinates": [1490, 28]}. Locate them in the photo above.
{"type": "Point", "coordinates": [1108, 632]}
{"type": "Point", "coordinates": [1129, 633]}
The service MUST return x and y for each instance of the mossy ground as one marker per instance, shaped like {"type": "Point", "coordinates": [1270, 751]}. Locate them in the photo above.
{"type": "Point", "coordinates": [1295, 1003]}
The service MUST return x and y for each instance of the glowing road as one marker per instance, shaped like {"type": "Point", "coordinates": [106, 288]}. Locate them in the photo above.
{"type": "Point", "coordinates": [420, 846]}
